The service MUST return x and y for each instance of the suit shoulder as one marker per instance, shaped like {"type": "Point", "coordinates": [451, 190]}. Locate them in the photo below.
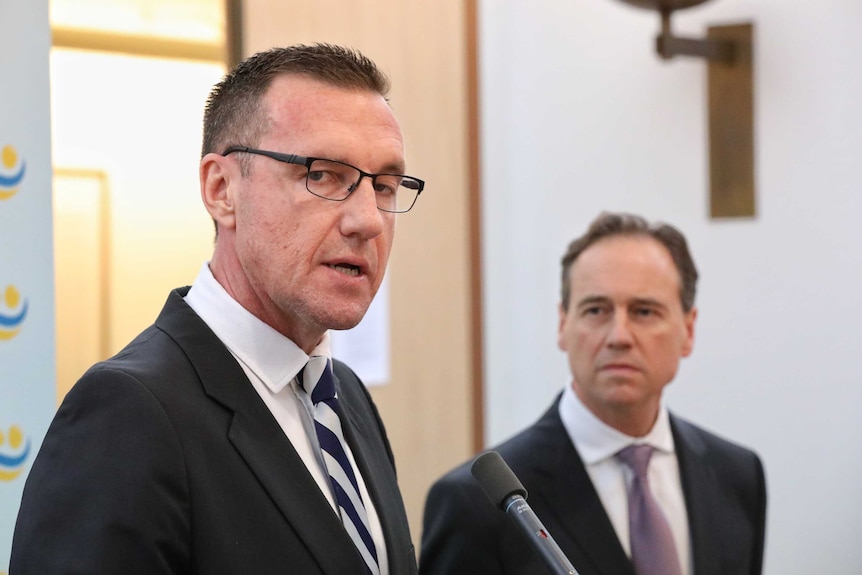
{"type": "Point", "coordinates": [518, 452]}
{"type": "Point", "coordinates": [710, 440]}
{"type": "Point", "coordinates": [152, 360]}
{"type": "Point", "coordinates": [463, 531]}
{"type": "Point", "coordinates": [457, 479]}
{"type": "Point", "coordinates": [736, 464]}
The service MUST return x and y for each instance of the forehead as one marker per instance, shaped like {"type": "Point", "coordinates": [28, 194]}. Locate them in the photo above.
{"type": "Point", "coordinates": [625, 267]}
{"type": "Point", "coordinates": [310, 117]}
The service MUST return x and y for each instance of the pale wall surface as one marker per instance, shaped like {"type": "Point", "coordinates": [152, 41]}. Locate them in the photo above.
{"type": "Point", "coordinates": [580, 116]}
{"type": "Point", "coordinates": [141, 131]}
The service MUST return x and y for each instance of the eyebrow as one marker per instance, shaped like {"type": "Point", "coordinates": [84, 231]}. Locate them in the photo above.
{"type": "Point", "coordinates": [592, 299]}
{"type": "Point", "coordinates": [599, 299]}
{"type": "Point", "coordinates": [648, 301]}
{"type": "Point", "coordinates": [395, 167]}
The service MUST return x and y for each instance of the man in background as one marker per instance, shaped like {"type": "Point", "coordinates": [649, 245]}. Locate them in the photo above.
{"type": "Point", "coordinates": [623, 486]}
{"type": "Point", "coordinates": [225, 439]}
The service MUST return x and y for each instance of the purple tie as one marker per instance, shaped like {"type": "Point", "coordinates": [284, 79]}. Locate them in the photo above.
{"type": "Point", "coordinates": [653, 549]}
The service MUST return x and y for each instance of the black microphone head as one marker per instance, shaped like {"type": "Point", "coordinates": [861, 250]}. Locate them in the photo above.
{"type": "Point", "coordinates": [497, 479]}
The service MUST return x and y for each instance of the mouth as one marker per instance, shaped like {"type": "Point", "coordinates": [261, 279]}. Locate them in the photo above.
{"type": "Point", "coordinates": [618, 366]}
{"type": "Point", "coordinates": [346, 269]}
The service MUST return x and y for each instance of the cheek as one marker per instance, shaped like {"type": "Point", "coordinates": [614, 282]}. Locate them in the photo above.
{"type": "Point", "coordinates": [384, 243]}
{"type": "Point", "coordinates": [666, 354]}
{"type": "Point", "coordinates": [388, 228]}
{"type": "Point", "coordinates": [580, 345]}
{"type": "Point", "coordinates": [270, 240]}
{"type": "Point", "coordinates": [252, 217]}
{"type": "Point", "coordinates": [588, 340]}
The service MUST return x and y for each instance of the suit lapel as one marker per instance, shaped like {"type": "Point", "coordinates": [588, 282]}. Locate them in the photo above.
{"type": "Point", "coordinates": [570, 500]}
{"type": "Point", "coordinates": [260, 441]}
{"type": "Point", "coordinates": [702, 496]}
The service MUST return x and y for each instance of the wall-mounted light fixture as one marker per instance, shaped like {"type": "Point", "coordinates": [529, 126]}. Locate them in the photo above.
{"type": "Point", "coordinates": [730, 89]}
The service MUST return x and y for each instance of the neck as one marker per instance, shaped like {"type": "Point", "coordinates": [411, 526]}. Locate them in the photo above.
{"type": "Point", "coordinates": [228, 273]}
{"type": "Point", "coordinates": [634, 420]}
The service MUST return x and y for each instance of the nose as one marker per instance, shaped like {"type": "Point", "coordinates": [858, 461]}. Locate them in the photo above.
{"type": "Point", "coordinates": [361, 216]}
{"type": "Point", "coordinates": [362, 175]}
{"type": "Point", "coordinates": [619, 331]}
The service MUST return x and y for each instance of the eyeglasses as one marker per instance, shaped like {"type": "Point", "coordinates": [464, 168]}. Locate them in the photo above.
{"type": "Point", "coordinates": [334, 180]}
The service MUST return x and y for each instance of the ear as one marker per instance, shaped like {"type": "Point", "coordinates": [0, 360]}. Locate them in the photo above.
{"type": "Point", "coordinates": [561, 326]}
{"type": "Point", "coordinates": [219, 179]}
{"type": "Point", "coordinates": [688, 344]}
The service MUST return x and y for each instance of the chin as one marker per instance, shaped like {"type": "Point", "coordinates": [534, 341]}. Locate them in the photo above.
{"type": "Point", "coordinates": [346, 318]}
{"type": "Point", "coordinates": [342, 326]}
{"type": "Point", "coordinates": [625, 393]}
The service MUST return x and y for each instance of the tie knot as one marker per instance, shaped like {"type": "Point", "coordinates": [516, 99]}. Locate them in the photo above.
{"type": "Point", "coordinates": [637, 458]}
{"type": "Point", "coordinates": [317, 380]}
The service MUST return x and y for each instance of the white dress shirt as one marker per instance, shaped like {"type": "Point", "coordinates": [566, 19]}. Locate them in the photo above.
{"type": "Point", "coordinates": [597, 443]}
{"type": "Point", "coordinates": [271, 361]}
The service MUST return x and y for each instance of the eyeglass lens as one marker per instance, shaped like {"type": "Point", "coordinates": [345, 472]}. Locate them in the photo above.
{"type": "Point", "coordinates": [335, 181]}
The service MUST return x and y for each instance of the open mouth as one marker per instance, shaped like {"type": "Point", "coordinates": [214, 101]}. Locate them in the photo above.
{"type": "Point", "coordinates": [345, 269]}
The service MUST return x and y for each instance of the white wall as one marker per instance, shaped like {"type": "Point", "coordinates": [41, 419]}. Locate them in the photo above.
{"type": "Point", "coordinates": [579, 116]}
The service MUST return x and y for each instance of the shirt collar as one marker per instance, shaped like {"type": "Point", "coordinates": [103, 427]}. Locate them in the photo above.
{"type": "Point", "coordinates": [272, 357]}
{"type": "Point", "coordinates": [595, 440]}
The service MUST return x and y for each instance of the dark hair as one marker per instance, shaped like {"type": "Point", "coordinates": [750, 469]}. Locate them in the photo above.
{"type": "Point", "coordinates": [619, 224]}
{"type": "Point", "coordinates": [233, 114]}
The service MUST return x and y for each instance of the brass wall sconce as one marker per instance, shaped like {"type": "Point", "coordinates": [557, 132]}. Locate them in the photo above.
{"type": "Point", "coordinates": [730, 88]}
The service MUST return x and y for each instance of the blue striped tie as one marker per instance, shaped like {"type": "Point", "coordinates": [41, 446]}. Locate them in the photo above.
{"type": "Point", "coordinates": [318, 382]}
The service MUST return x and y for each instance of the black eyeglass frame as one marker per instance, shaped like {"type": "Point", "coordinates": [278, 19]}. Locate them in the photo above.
{"type": "Point", "coordinates": [308, 160]}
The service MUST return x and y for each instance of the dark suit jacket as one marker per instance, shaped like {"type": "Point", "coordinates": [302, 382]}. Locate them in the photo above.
{"type": "Point", "coordinates": [723, 484]}
{"type": "Point", "coordinates": [164, 459]}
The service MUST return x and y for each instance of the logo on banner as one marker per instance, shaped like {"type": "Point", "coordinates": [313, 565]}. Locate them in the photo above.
{"type": "Point", "coordinates": [12, 170]}
{"type": "Point", "coordinates": [13, 312]}
{"type": "Point", "coordinates": [14, 451]}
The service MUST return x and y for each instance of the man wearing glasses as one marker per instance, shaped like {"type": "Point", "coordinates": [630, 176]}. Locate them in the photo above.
{"type": "Point", "coordinates": [225, 439]}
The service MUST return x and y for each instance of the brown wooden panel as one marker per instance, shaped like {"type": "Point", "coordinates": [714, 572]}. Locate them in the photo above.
{"type": "Point", "coordinates": [471, 30]}
{"type": "Point", "coordinates": [731, 126]}
{"type": "Point", "coordinates": [430, 404]}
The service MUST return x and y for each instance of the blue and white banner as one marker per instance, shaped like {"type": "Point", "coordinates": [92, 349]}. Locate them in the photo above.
{"type": "Point", "coordinates": [27, 356]}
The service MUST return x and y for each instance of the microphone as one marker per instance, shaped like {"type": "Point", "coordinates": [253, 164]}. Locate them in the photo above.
{"type": "Point", "coordinates": [502, 487]}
